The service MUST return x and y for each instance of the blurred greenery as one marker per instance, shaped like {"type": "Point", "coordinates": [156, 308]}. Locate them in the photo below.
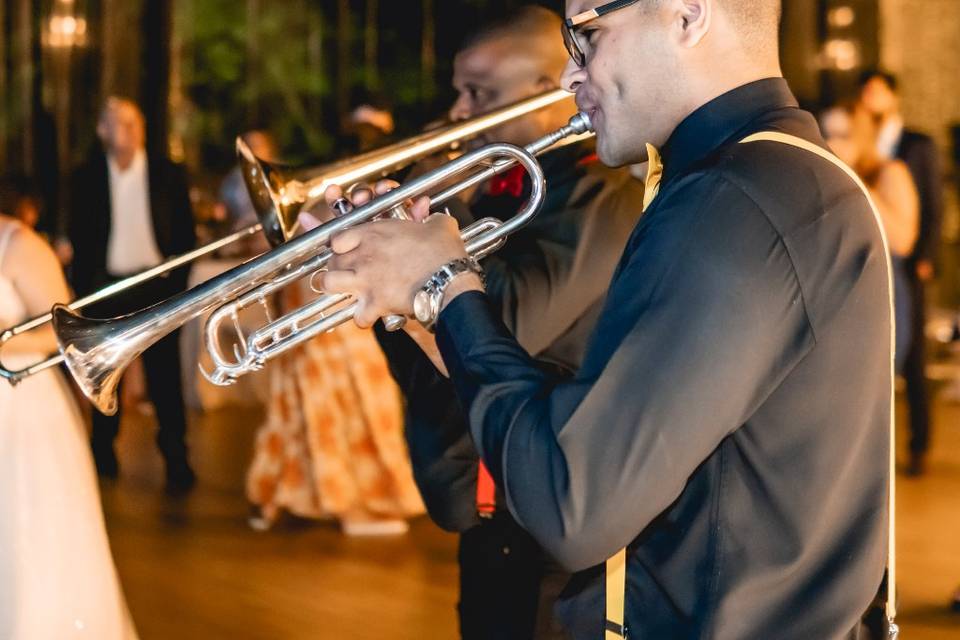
{"type": "Point", "coordinates": [231, 90]}
{"type": "Point", "coordinates": [279, 69]}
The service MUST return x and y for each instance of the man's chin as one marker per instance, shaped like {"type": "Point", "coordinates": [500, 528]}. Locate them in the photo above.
{"type": "Point", "coordinates": [610, 156]}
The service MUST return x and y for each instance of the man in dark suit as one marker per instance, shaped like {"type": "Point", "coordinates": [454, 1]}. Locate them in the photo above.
{"type": "Point", "coordinates": [919, 152]}
{"type": "Point", "coordinates": [548, 282]}
{"type": "Point", "coordinates": [130, 212]}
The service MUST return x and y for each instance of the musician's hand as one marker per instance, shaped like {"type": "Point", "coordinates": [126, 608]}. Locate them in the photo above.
{"type": "Point", "coordinates": [384, 263]}
{"type": "Point", "coordinates": [357, 195]}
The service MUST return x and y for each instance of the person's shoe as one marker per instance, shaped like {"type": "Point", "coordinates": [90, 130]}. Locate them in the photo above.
{"type": "Point", "coordinates": [955, 605]}
{"type": "Point", "coordinates": [180, 479]}
{"type": "Point", "coordinates": [105, 460]}
{"type": "Point", "coordinates": [364, 528]}
{"type": "Point", "coordinates": [257, 520]}
{"type": "Point", "coordinates": [917, 466]}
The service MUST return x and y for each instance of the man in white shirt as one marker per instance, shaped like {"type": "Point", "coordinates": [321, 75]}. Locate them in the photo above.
{"type": "Point", "coordinates": [131, 211]}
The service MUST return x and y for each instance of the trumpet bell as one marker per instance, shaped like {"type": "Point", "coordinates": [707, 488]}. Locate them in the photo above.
{"type": "Point", "coordinates": [96, 352]}
{"type": "Point", "coordinates": [268, 186]}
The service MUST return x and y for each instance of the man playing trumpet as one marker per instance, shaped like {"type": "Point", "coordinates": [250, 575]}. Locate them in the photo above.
{"type": "Point", "coordinates": [718, 464]}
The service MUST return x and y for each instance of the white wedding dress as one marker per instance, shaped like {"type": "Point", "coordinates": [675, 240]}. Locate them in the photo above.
{"type": "Point", "coordinates": [57, 578]}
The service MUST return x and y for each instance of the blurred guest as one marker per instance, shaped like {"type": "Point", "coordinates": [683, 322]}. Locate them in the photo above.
{"type": "Point", "coordinates": [370, 124]}
{"type": "Point", "coordinates": [234, 198]}
{"type": "Point", "coordinates": [851, 133]}
{"type": "Point", "coordinates": [57, 578]}
{"type": "Point", "coordinates": [130, 212]}
{"type": "Point", "coordinates": [332, 444]}
{"type": "Point", "coordinates": [879, 96]}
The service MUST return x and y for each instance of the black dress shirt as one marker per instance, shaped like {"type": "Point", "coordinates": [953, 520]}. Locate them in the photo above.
{"type": "Point", "coordinates": [729, 423]}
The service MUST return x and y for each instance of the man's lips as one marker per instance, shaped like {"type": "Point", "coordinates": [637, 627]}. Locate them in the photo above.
{"type": "Point", "coordinates": [588, 108]}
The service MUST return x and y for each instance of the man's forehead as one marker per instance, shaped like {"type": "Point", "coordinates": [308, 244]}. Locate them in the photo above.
{"type": "Point", "coordinates": [487, 57]}
{"type": "Point", "coordinates": [123, 110]}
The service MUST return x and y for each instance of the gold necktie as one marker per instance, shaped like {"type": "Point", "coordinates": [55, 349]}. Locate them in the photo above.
{"type": "Point", "coordinates": [654, 173]}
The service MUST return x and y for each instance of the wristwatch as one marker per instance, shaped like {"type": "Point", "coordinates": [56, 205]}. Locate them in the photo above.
{"type": "Point", "coordinates": [427, 301]}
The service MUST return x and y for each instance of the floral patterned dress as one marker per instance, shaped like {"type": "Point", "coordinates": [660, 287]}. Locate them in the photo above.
{"type": "Point", "coordinates": [333, 443]}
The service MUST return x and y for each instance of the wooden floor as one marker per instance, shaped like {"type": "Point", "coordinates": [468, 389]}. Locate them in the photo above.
{"type": "Point", "coordinates": [193, 568]}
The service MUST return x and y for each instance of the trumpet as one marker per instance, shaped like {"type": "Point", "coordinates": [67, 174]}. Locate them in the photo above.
{"type": "Point", "coordinates": [279, 195]}
{"type": "Point", "coordinates": [96, 352]}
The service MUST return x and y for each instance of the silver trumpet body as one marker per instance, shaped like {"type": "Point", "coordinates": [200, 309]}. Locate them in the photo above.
{"type": "Point", "coordinates": [97, 352]}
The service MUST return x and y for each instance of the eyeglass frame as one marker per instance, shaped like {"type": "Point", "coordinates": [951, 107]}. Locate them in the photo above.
{"type": "Point", "coordinates": [573, 24]}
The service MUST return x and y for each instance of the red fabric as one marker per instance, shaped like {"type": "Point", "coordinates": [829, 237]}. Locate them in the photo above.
{"type": "Point", "coordinates": [486, 493]}
{"type": "Point", "coordinates": [590, 159]}
{"type": "Point", "coordinates": [509, 183]}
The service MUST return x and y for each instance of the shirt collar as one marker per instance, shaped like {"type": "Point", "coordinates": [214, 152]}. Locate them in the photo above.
{"type": "Point", "coordinates": [136, 166]}
{"type": "Point", "coordinates": [722, 120]}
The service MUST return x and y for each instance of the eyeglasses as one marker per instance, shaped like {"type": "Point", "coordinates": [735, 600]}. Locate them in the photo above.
{"type": "Point", "coordinates": [572, 37]}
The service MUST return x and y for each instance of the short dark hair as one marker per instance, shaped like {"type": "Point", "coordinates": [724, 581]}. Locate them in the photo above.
{"type": "Point", "coordinates": [523, 21]}
{"type": "Point", "coordinates": [757, 20]}
{"type": "Point", "coordinates": [868, 75]}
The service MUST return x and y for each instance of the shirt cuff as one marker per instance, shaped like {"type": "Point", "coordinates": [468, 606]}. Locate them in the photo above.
{"type": "Point", "coordinates": [466, 319]}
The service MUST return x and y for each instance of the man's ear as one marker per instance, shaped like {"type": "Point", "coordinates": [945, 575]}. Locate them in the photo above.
{"type": "Point", "coordinates": [693, 20]}
{"type": "Point", "coordinates": [102, 132]}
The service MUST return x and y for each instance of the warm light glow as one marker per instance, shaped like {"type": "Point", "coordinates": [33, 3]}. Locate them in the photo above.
{"type": "Point", "coordinates": [841, 17]}
{"type": "Point", "coordinates": [64, 29]}
{"type": "Point", "coordinates": [843, 55]}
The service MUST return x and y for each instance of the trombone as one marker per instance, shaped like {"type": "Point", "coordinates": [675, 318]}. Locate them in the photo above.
{"type": "Point", "coordinates": [97, 351]}
{"type": "Point", "coordinates": [279, 195]}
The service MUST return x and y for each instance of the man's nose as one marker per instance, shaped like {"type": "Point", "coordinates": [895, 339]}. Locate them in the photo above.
{"type": "Point", "coordinates": [573, 76]}
{"type": "Point", "coordinates": [460, 110]}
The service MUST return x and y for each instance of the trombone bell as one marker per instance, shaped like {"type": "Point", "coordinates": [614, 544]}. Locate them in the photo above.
{"type": "Point", "coordinates": [268, 187]}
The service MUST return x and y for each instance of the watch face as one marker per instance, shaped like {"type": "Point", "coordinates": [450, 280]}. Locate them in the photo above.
{"type": "Point", "coordinates": [421, 307]}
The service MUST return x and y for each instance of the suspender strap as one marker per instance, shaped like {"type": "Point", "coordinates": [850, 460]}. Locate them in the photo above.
{"type": "Point", "coordinates": [616, 596]}
{"type": "Point", "coordinates": [616, 565]}
{"type": "Point", "coordinates": [486, 493]}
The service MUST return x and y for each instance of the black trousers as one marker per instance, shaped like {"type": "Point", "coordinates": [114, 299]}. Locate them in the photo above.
{"type": "Point", "coordinates": [161, 364]}
{"type": "Point", "coordinates": [507, 584]}
{"type": "Point", "coordinates": [914, 368]}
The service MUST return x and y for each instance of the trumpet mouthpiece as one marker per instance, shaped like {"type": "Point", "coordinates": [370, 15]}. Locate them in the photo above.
{"type": "Point", "coordinates": [580, 123]}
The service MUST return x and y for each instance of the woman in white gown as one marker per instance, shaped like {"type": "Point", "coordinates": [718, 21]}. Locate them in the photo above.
{"type": "Point", "coordinates": [57, 578]}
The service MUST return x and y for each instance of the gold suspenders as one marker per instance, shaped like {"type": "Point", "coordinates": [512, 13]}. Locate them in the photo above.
{"type": "Point", "coordinates": [616, 565]}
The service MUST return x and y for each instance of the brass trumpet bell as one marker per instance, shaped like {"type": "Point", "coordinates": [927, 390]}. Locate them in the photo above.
{"type": "Point", "coordinates": [97, 352]}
